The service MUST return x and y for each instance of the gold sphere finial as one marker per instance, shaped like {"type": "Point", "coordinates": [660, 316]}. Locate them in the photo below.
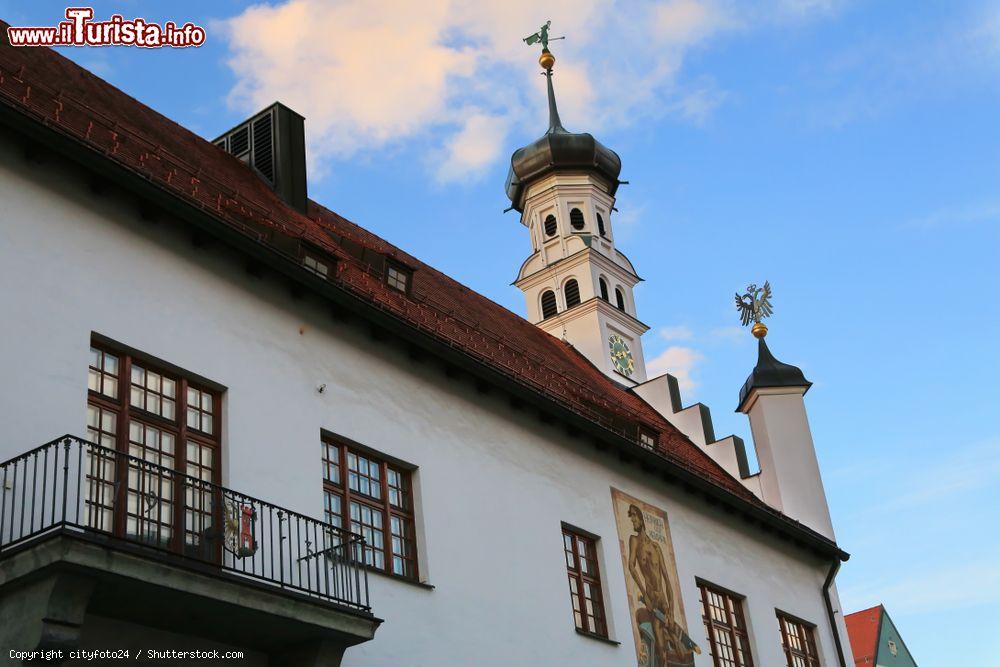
{"type": "Point", "coordinates": [546, 60]}
{"type": "Point", "coordinates": [759, 330]}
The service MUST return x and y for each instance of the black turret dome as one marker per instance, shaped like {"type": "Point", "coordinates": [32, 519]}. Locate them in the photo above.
{"type": "Point", "coordinates": [559, 149]}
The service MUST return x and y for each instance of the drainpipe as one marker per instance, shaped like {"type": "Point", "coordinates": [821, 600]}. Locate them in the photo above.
{"type": "Point", "coordinates": [834, 568]}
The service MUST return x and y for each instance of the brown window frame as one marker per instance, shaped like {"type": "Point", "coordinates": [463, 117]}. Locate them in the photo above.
{"type": "Point", "coordinates": [595, 624]}
{"type": "Point", "coordinates": [127, 414]}
{"type": "Point", "coordinates": [383, 504]}
{"type": "Point", "coordinates": [734, 627]}
{"type": "Point", "coordinates": [807, 654]}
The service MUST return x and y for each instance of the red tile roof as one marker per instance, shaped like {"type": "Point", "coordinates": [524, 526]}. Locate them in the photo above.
{"type": "Point", "coordinates": [863, 628]}
{"type": "Point", "coordinates": [57, 93]}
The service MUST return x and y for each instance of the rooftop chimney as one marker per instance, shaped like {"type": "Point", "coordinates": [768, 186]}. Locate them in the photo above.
{"type": "Point", "coordinates": [273, 144]}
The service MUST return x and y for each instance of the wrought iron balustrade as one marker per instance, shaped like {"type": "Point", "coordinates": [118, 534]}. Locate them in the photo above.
{"type": "Point", "coordinates": [76, 486]}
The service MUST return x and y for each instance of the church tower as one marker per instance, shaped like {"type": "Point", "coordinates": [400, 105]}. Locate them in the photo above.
{"type": "Point", "coordinates": [577, 284]}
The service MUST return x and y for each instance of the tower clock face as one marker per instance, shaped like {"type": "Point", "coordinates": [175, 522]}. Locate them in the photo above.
{"type": "Point", "coordinates": [621, 356]}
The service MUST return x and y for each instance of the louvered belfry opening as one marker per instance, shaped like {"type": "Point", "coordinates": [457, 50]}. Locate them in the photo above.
{"type": "Point", "coordinates": [572, 291]}
{"type": "Point", "coordinates": [549, 307]}
{"type": "Point", "coordinates": [550, 225]}
{"type": "Point", "coordinates": [273, 143]}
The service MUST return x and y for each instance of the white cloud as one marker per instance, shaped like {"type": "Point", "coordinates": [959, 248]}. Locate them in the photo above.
{"type": "Point", "coordinates": [937, 588]}
{"type": "Point", "coordinates": [679, 361]}
{"type": "Point", "coordinates": [678, 332]}
{"type": "Point", "coordinates": [697, 105]}
{"type": "Point", "coordinates": [965, 469]}
{"type": "Point", "coordinates": [473, 148]}
{"type": "Point", "coordinates": [809, 7]}
{"type": "Point", "coordinates": [686, 22]}
{"type": "Point", "coordinates": [720, 334]}
{"type": "Point", "coordinates": [967, 214]}
{"type": "Point", "coordinates": [456, 73]}
{"type": "Point", "coordinates": [728, 334]}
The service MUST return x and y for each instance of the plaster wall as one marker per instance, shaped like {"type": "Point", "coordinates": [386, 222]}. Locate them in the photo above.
{"type": "Point", "coordinates": [789, 471]}
{"type": "Point", "coordinates": [492, 484]}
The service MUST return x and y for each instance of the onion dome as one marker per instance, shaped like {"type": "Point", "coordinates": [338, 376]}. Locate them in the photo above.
{"type": "Point", "coordinates": [559, 149]}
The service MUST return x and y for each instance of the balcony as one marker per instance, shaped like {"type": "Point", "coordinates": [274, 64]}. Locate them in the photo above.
{"type": "Point", "coordinates": [91, 537]}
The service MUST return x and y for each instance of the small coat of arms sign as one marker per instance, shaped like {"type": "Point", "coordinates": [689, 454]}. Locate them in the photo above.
{"type": "Point", "coordinates": [240, 529]}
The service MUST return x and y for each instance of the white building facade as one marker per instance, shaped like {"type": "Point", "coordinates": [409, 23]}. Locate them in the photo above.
{"type": "Point", "coordinates": [223, 358]}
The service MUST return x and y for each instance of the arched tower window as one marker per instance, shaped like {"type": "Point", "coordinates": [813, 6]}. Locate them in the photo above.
{"type": "Point", "coordinates": [549, 307]}
{"type": "Point", "coordinates": [600, 226]}
{"type": "Point", "coordinates": [619, 299]}
{"type": "Point", "coordinates": [550, 225]}
{"type": "Point", "coordinates": [604, 288]}
{"type": "Point", "coordinates": [576, 219]}
{"type": "Point", "coordinates": [572, 291]}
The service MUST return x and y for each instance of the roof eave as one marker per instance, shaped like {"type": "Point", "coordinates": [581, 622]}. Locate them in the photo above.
{"type": "Point", "coordinates": [55, 139]}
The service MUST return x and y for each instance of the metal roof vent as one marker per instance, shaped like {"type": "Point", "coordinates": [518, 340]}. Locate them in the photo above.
{"type": "Point", "coordinates": [273, 144]}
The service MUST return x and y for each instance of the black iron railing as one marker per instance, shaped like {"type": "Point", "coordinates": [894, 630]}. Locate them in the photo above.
{"type": "Point", "coordinates": [74, 485]}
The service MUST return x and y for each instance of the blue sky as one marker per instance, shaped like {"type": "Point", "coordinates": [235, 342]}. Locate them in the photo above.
{"type": "Point", "coordinates": [848, 152]}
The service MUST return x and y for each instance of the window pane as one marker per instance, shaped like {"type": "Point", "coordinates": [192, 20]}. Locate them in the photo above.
{"type": "Point", "coordinates": [581, 564]}
{"type": "Point", "coordinates": [397, 278]}
{"type": "Point", "coordinates": [147, 481]}
{"type": "Point", "coordinates": [333, 510]}
{"type": "Point", "coordinates": [798, 642]}
{"type": "Point", "coordinates": [371, 512]}
{"type": "Point", "coordinates": [152, 392]}
{"type": "Point", "coordinates": [725, 634]}
{"type": "Point", "coordinates": [331, 462]}
{"type": "Point", "coordinates": [102, 376]}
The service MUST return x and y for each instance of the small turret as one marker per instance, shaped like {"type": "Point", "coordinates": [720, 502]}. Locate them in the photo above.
{"type": "Point", "coordinates": [769, 372]}
{"type": "Point", "coordinates": [577, 285]}
{"type": "Point", "coordinates": [772, 398]}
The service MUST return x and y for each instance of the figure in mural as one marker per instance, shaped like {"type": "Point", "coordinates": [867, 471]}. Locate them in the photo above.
{"type": "Point", "coordinates": [648, 568]}
{"type": "Point", "coordinates": [658, 621]}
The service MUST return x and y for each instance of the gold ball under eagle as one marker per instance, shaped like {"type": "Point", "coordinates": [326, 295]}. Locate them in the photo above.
{"type": "Point", "coordinates": [546, 60]}
{"type": "Point", "coordinates": [759, 330]}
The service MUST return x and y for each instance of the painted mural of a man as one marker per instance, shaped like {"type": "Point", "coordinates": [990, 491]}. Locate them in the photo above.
{"type": "Point", "coordinates": [648, 568]}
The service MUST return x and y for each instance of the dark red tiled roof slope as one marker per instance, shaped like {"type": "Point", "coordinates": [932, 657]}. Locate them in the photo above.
{"type": "Point", "coordinates": [52, 90]}
{"type": "Point", "coordinates": [863, 629]}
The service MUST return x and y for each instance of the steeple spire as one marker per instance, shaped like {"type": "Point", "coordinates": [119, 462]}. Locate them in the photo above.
{"type": "Point", "coordinates": [555, 125]}
{"type": "Point", "coordinates": [547, 60]}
